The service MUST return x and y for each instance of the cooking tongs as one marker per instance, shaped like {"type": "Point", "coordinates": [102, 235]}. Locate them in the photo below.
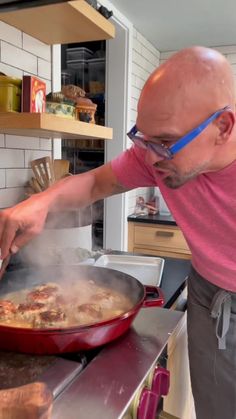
{"type": "Point", "coordinates": [3, 265]}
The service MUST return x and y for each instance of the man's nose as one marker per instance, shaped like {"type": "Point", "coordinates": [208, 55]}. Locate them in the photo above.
{"type": "Point", "coordinates": [152, 157]}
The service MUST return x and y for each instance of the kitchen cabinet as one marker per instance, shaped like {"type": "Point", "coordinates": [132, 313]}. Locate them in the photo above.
{"type": "Point", "coordinates": [61, 23]}
{"type": "Point", "coordinates": [157, 240]}
{"type": "Point", "coordinates": [67, 22]}
{"type": "Point", "coordinates": [179, 401]}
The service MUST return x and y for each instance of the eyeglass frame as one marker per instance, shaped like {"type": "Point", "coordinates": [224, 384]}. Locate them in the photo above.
{"type": "Point", "coordinates": [168, 152]}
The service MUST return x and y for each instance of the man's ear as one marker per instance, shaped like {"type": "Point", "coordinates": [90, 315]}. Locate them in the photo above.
{"type": "Point", "coordinates": [225, 123]}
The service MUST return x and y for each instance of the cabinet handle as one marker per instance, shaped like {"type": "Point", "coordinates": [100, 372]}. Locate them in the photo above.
{"type": "Point", "coordinates": [164, 233]}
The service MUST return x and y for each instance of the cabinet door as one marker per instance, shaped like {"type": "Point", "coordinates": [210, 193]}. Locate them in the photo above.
{"type": "Point", "coordinates": [161, 237]}
{"type": "Point", "coordinates": [179, 401]}
{"type": "Point", "coordinates": [161, 253]}
{"type": "Point", "coordinates": [158, 240]}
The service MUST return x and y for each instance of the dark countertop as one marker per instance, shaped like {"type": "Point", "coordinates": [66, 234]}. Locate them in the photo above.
{"type": "Point", "coordinates": [152, 219]}
{"type": "Point", "coordinates": [174, 276]}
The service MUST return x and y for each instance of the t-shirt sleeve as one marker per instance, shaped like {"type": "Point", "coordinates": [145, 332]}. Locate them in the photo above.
{"type": "Point", "coordinates": [131, 169]}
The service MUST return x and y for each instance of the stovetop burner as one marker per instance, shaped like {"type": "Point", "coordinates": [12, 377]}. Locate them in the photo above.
{"type": "Point", "coordinates": [55, 371]}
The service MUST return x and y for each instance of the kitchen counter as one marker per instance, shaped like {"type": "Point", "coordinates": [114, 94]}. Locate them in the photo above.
{"type": "Point", "coordinates": [174, 279]}
{"type": "Point", "coordinates": [152, 219]}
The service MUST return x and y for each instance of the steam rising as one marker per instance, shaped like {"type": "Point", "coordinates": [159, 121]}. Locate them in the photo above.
{"type": "Point", "coordinates": [66, 239]}
{"type": "Point", "coordinates": [56, 254]}
{"type": "Point", "coordinates": [67, 275]}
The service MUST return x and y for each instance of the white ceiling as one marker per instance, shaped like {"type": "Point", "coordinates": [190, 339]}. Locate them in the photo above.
{"type": "Point", "coordinates": [175, 24]}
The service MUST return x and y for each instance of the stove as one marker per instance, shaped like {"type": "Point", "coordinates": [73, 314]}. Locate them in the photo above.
{"type": "Point", "coordinates": [19, 369]}
{"type": "Point", "coordinates": [123, 380]}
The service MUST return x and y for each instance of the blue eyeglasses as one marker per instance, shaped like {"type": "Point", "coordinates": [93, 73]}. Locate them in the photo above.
{"type": "Point", "coordinates": [168, 152]}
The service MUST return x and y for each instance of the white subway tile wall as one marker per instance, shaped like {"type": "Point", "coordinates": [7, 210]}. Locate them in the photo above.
{"type": "Point", "coordinates": [11, 196]}
{"type": "Point", "coordinates": [21, 54]}
{"type": "Point", "coordinates": [17, 177]}
{"type": "Point", "coordinates": [2, 140]}
{"type": "Point", "coordinates": [33, 155]}
{"type": "Point", "coordinates": [2, 178]}
{"type": "Point", "coordinates": [19, 58]}
{"type": "Point", "coordinates": [145, 60]}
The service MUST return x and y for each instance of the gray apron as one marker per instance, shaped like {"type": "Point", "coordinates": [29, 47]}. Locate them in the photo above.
{"type": "Point", "coordinates": [211, 325]}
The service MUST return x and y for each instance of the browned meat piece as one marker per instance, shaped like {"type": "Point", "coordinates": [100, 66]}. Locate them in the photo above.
{"type": "Point", "coordinates": [45, 293]}
{"type": "Point", "coordinates": [7, 309]}
{"type": "Point", "coordinates": [88, 313]}
{"type": "Point", "coordinates": [60, 300]}
{"type": "Point", "coordinates": [28, 311]}
{"type": "Point", "coordinates": [107, 299]}
{"type": "Point", "coordinates": [91, 309]}
{"type": "Point", "coordinates": [26, 307]}
{"type": "Point", "coordinates": [54, 317]}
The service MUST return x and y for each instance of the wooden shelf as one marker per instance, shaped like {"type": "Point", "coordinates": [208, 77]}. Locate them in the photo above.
{"type": "Point", "coordinates": [50, 126]}
{"type": "Point", "coordinates": [61, 23]}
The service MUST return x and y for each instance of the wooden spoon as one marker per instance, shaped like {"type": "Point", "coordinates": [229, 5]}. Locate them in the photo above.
{"type": "Point", "coordinates": [35, 185]}
{"type": "Point", "coordinates": [32, 401]}
{"type": "Point", "coordinates": [43, 171]}
{"type": "Point", "coordinates": [61, 168]}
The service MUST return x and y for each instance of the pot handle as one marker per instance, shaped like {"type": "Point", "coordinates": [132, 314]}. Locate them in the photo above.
{"type": "Point", "coordinates": [153, 297]}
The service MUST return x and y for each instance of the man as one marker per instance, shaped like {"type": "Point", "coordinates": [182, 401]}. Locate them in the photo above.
{"type": "Point", "coordinates": [184, 142]}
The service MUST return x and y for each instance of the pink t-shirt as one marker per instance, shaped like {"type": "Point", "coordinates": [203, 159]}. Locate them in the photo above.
{"type": "Point", "coordinates": [204, 208]}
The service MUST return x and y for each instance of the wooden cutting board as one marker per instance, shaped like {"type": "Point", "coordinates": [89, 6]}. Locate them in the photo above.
{"type": "Point", "coordinates": [32, 401]}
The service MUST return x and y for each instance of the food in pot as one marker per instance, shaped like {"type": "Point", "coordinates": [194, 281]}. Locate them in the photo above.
{"type": "Point", "coordinates": [45, 293]}
{"type": "Point", "coordinates": [53, 317]}
{"type": "Point", "coordinates": [68, 304]}
{"type": "Point", "coordinates": [27, 310]}
{"type": "Point", "coordinates": [107, 299]}
{"type": "Point", "coordinates": [89, 312]}
{"type": "Point", "coordinates": [7, 310]}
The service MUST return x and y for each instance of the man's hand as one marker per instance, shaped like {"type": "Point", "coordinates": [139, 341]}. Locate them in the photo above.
{"type": "Point", "coordinates": [19, 224]}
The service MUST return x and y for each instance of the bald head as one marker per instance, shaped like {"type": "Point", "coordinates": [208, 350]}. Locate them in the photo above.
{"type": "Point", "coordinates": [194, 81]}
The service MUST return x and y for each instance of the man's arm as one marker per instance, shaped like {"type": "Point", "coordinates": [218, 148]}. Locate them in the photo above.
{"type": "Point", "coordinates": [19, 224]}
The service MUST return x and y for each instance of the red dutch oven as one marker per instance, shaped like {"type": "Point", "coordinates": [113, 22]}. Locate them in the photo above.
{"type": "Point", "coordinates": [73, 339]}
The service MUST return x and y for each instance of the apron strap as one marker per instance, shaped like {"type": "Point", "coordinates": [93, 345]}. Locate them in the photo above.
{"type": "Point", "coordinates": [220, 310]}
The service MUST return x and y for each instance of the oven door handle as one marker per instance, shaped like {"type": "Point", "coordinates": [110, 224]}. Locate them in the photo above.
{"type": "Point", "coordinates": [148, 402]}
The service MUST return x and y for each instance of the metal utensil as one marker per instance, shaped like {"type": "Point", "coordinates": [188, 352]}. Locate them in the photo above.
{"type": "Point", "coordinates": [3, 265]}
